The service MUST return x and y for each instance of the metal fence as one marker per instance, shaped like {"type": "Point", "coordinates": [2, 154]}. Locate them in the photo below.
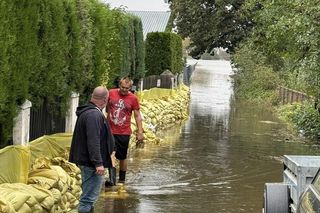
{"type": "Point", "coordinates": [44, 122]}
{"type": "Point", "coordinates": [160, 81]}
{"type": "Point", "coordinates": [169, 80]}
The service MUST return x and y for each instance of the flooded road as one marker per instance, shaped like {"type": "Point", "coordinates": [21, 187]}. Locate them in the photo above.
{"type": "Point", "coordinates": [217, 161]}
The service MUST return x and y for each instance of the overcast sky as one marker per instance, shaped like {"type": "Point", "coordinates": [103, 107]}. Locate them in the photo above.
{"type": "Point", "coordinates": [140, 5]}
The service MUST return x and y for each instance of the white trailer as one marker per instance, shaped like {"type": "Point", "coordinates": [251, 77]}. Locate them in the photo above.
{"type": "Point", "coordinates": [298, 174]}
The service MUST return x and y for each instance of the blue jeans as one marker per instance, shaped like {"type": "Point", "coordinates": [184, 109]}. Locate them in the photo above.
{"type": "Point", "coordinates": [91, 187]}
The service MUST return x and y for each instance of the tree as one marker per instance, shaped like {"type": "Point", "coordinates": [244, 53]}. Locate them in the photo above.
{"type": "Point", "coordinates": [211, 23]}
{"type": "Point", "coordinates": [287, 34]}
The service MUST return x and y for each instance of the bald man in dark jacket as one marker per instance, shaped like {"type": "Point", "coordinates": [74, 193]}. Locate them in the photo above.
{"type": "Point", "coordinates": [91, 147]}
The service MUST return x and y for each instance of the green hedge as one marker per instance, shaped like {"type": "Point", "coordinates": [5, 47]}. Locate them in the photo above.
{"type": "Point", "coordinates": [129, 51]}
{"type": "Point", "coordinates": [49, 48]}
{"type": "Point", "coordinates": [163, 51]}
{"type": "Point", "coordinates": [19, 53]}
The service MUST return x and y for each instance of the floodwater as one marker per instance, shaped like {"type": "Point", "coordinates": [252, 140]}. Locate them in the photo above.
{"type": "Point", "coordinates": [217, 161]}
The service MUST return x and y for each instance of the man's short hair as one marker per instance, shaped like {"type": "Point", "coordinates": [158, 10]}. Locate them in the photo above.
{"type": "Point", "coordinates": [125, 79]}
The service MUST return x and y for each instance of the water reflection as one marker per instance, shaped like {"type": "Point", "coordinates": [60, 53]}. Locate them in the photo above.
{"type": "Point", "coordinates": [217, 161]}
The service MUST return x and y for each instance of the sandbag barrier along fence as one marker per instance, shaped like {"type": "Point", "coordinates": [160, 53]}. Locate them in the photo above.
{"type": "Point", "coordinates": [161, 109]}
{"type": "Point", "coordinates": [38, 178]}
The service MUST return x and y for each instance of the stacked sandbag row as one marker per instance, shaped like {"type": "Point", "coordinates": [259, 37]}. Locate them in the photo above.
{"type": "Point", "coordinates": [163, 112]}
{"type": "Point", "coordinates": [53, 186]}
{"type": "Point", "coordinates": [20, 197]}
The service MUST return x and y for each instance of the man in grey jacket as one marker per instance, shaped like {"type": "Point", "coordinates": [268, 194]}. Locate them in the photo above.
{"type": "Point", "coordinates": [91, 147]}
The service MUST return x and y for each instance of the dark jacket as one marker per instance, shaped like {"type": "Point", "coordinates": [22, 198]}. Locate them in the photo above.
{"type": "Point", "coordinates": [92, 142]}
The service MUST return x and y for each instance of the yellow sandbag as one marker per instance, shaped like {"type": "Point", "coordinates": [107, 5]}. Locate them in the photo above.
{"type": "Point", "coordinates": [47, 173]}
{"type": "Point", "coordinates": [45, 146]}
{"type": "Point", "coordinates": [76, 191]}
{"type": "Point", "coordinates": [31, 201]}
{"type": "Point", "coordinates": [41, 163]}
{"type": "Point", "coordinates": [6, 207]}
{"type": "Point", "coordinates": [66, 207]}
{"type": "Point", "coordinates": [71, 198]}
{"type": "Point", "coordinates": [37, 208]}
{"type": "Point", "coordinates": [70, 168]}
{"type": "Point", "coordinates": [62, 187]}
{"type": "Point", "coordinates": [64, 181]}
{"type": "Point", "coordinates": [56, 209]}
{"type": "Point", "coordinates": [75, 188]}
{"type": "Point", "coordinates": [154, 93]}
{"type": "Point", "coordinates": [43, 182]}
{"type": "Point", "coordinates": [56, 195]}
{"type": "Point", "coordinates": [47, 192]}
{"type": "Point", "coordinates": [16, 198]}
{"type": "Point", "coordinates": [74, 205]}
{"type": "Point", "coordinates": [47, 203]}
{"type": "Point", "coordinates": [38, 195]}
{"type": "Point", "coordinates": [64, 176]}
{"type": "Point", "coordinates": [64, 199]}
{"type": "Point", "coordinates": [15, 164]}
{"type": "Point", "coordinates": [25, 209]}
{"type": "Point", "coordinates": [63, 139]}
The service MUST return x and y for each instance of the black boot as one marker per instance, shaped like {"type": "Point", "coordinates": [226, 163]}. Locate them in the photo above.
{"type": "Point", "coordinates": [112, 178]}
{"type": "Point", "coordinates": [122, 176]}
{"type": "Point", "coordinates": [91, 211]}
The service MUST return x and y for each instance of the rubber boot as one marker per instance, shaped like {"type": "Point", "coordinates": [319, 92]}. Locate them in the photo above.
{"type": "Point", "coordinates": [92, 209]}
{"type": "Point", "coordinates": [112, 178]}
{"type": "Point", "coordinates": [122, 176]}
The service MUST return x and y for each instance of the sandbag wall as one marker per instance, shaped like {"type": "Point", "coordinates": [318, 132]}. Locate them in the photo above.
{"type": "Point", "coordinates": [49, 184]}
{"type": "Point", "coordinates": [53, 186]}
{"type": "Point", "coordinates": [161, 109]}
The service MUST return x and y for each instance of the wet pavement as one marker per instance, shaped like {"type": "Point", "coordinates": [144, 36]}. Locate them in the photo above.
{"type": "Point", "coordinates": [216, 161]}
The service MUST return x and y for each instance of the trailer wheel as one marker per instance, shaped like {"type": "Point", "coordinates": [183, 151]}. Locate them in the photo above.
{"type": "Point", "coordinates": [276, 198]}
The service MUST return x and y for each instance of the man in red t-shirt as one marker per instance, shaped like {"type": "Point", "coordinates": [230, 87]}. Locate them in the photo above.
{"type": "Point", "coordinates": [120, 106]}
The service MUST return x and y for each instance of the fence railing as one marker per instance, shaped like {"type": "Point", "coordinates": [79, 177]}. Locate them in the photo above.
{"type": "Point", "coordinates": [44, 122]}
{"type": "Point", "coordinates": [161, 81]}
{"type": "Point", "coordinates": [31, 123]}
{"type": "Point", "coordinates": [168, 80]}
{"type": "Point", "coordinates": [287, 95]}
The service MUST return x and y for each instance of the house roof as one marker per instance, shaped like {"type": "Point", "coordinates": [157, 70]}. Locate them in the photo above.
{"type": "Point", "coordinates": [152, 21]}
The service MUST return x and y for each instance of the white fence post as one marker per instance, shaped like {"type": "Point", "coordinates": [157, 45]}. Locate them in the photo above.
{"type": "Point", "coordinates": [173, 85]}
{"type": "Point", "coordinates": [22, 125]}
{"type": "Point", "coordinates": [158, 82]}
{"type": "Point", "coordinates": [141, 84]}
{"type": "Point", "coordinates": [71, 117]}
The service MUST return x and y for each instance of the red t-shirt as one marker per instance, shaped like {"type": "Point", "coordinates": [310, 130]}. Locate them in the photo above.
{"type": "Point", "coordinates": [120, 109]}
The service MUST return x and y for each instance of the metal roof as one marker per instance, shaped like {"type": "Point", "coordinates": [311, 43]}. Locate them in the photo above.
{"type": "Point", "coordinates": [152, 21]}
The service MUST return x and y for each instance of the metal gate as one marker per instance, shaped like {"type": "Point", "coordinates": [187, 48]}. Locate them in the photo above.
{"type": "Point", "coordinates": [44, 122]}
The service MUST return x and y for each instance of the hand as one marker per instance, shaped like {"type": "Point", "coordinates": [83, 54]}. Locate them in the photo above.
{"type": "Point", "coordinates": [140, 136]}
{"type": "Point", "coordinates": [113, 159]}
{"type": "Point", "coordinates": [100, 170]}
